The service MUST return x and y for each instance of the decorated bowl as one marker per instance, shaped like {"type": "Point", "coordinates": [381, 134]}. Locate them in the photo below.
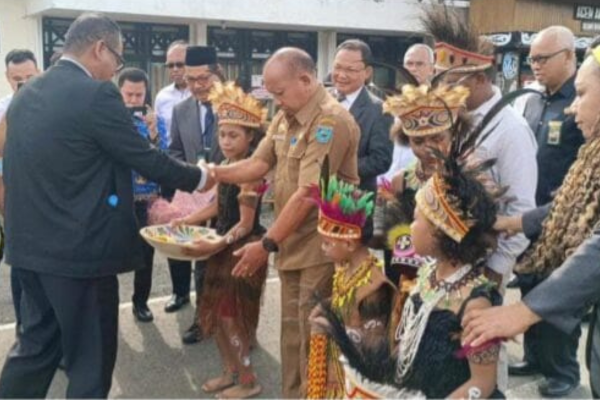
{"type": "Point", "coordinates": [172, 240]}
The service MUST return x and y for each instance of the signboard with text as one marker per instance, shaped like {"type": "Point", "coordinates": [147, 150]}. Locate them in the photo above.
{"type": "Point", "coordinates": [587, 13]}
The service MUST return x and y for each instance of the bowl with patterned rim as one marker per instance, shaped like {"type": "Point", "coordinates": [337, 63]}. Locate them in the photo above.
{"type": "Point", "coordinates": [172, 240]}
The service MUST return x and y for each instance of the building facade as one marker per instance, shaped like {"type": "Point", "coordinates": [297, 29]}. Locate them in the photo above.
{"type": "Point", "coordinates": [245, 32]}
{"type": "Point", "coordinates": [513, 24]}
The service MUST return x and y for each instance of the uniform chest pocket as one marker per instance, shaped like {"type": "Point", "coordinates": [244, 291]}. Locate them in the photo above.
{"type": "Point", "coordinates": [294, 158]}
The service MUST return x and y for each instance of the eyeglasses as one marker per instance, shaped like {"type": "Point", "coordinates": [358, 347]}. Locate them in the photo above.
{"type": "Point", "coordinates": [198, 79]}
{"type": "Point", "coordinates": [118, 57]}
{"type": "Point", "coordinates": [543, 58]}
{"type": "Point", "coordinates": [172, 65]}
{"type": "Point", "coordinates": [347, 70]}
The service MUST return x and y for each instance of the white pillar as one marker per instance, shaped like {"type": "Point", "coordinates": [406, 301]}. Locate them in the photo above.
{"type": "Point", "coordinates": [199, 33]}
{"type": "Point", "coordinates": [326, 44]}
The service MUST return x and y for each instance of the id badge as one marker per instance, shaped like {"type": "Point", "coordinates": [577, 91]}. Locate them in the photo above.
{"type": "Point", "coordinates": [554, 132]}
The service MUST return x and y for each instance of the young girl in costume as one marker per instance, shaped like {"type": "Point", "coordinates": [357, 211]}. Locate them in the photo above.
{"type": "Point", "coordinates": [453, 227]}
{"type": "Point", "coordinates": [361, 295]}
{"type": "Point", "coordinates": [229, 306]}
{"type": "Point", "coordinates": [425, 118]}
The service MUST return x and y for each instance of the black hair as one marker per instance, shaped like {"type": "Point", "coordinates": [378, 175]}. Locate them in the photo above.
{"type": "Point", "coordinates": [134, 75]}
{"type": "Point", "coordinates": [19, 56]}
{"type": "Point", "coordinates": [473, 200]}
{"type": "Point", "coordinates": [89, 28]}
{"type": "Point", "coordinates": [358, 45]}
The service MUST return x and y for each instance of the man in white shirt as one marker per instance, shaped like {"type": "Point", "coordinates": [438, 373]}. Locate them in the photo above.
{"type": "Point", "coordinates": [21, 66]}
{"type": "Point", "coordinates": [419, 60]}
{"type": "Point", "coordinates": [177, 91]}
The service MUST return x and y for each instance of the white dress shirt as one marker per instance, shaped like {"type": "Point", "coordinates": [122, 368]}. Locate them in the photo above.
{"type": "Point", "coordinates": [4, 103]}
{"type": "Point", "coordinates": [350, 99]}
{"type": "Point", "coordinates": [514, 147]}
{"type": "Point", "coordinates": [167, 98]}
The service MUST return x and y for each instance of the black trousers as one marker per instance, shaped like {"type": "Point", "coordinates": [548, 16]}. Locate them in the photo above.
{"type": "Point", "coordinates": [181, 276]}
{"type": "Point", "coordinates": [552, 350]}
{"type": "Point", "coordinates": [16, 291]}
{"type": "Point", "coordinates": [142, 279]}
{"type": "Point", "coordinates": [73, 319]}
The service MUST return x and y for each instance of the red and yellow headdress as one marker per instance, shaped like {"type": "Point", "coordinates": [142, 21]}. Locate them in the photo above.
{"type": "Point", "coordinates": [443, 209]}
{"type": "Point", "coordinates": [343, 209]}
{"type": "Point", "coordinates": [426, 111]}
{"type": "Point", "coordinates": [459, 47]}
{"type": "Point", "coordinates": [235, 107]}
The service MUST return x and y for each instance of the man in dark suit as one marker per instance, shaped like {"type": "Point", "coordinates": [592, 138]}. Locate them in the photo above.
{"type": "Point", "coordinates": [194, 137]}
{"type": "Point", "coordinates": [70, 151]}
{"type": "Point", "coordinates": [351, 71]}
{"type": "Point", "coordinates": [578, 279]}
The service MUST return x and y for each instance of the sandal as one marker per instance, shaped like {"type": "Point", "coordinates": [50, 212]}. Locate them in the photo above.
{"type": "Point", "coordinates": [224, 381]}
{"type": "Point", "coordinates": [241, 391]}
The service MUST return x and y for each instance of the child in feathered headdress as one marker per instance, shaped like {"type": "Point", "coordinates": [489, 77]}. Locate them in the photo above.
{"type": "Point", "coordinates": [361, 295]}
{"type": "Point", "coordinates": [229, 307]}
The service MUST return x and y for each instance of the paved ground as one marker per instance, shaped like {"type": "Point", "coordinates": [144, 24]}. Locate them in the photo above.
{"type": "Point", "coordinates": [153, 363]}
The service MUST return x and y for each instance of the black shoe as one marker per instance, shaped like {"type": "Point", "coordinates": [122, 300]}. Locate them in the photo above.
{"type": "Point", "coordinates": [176, 302]}
{"type": "Point", "coordinates": [554, 388]}
{"type": "Point", "coordinates": [192, 335]}
{"type": "Point", "coordinates": [523, 368]}
{"type": "Point", "coordinates": [142, 313]}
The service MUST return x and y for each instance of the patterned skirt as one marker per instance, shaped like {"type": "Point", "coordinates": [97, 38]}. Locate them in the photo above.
{"type": "Point", "coordinates": [224, 296]}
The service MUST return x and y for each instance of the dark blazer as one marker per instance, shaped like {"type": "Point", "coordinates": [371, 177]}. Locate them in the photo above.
{"type": "Point", "coordinates": [533, 221]}
{"type": "Point", "coordinates": [375, 147]}
{"type": "Point", "coordinates": [565, 296]}
{"type": "Point", "coordinates": [70, 151]}
{"type": "Point", "coordinates": [186, 136]}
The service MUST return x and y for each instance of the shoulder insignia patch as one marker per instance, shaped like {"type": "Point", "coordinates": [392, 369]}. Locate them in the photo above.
{"type": "Point", "coordinates": [324, 134]}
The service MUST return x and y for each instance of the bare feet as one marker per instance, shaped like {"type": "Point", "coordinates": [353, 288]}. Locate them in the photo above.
{"type": "Point", "coordinates": [221, 382]}
{"type": "Point", "coordinates": [241, 391]}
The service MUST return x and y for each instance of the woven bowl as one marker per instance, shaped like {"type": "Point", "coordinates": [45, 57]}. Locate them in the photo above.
{"type": "Point", "coordinates": [171, 241]}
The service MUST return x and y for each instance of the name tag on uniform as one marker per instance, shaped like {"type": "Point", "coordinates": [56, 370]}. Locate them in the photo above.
{"type": "Point", "coordinates": [554, 132]}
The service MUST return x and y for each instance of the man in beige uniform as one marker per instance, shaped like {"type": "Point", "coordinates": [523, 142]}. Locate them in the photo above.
{"type": "Point", "coordinates": [310, 125]}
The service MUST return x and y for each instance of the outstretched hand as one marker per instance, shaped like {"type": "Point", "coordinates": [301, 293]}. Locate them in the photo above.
{"type": "Point", "coordinates": [252, 257]}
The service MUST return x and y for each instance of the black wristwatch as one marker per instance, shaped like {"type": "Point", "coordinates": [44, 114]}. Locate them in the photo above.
{"type": "Point", "coordinates": [269, 245]}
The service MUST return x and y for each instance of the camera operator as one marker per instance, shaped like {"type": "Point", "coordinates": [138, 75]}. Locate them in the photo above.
{"type": "Point", "coordinates": [133, 84]}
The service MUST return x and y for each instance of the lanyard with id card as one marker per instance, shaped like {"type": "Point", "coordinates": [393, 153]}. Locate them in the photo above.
{"type": "Point", "coordinates": [554, 128]}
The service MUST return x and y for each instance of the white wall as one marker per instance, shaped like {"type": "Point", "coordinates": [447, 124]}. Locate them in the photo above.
{"type": "Point", "coordinates": [375, 15]}
{"type": "Point", "coordinates": [17, 31]}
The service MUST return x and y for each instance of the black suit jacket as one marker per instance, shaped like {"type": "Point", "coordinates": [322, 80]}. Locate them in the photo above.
{"type": "Point", "coordinates": [375, 147]}
{"type": "Point", "coordinates": [70, 150]}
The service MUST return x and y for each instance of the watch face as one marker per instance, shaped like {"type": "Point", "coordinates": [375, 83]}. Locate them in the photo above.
{"type": "Point", "coordinates": [269, 245]}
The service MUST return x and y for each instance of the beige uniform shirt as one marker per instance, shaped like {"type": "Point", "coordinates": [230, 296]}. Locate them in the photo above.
{"type": "Point", "coordinates": [296, 146]}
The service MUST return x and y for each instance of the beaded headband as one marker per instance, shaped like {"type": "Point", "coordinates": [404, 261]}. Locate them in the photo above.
{"type": "Point", "coordinates": [441, 209]}
{"type": "Point", "coordinates": [425, 111]}
{"type": "Point", "coordinates": [459, 60]}
{"type": "Point", "coordinates": [235, 107]}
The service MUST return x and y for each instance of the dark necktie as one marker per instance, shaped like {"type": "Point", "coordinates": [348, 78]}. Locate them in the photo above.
{"type": "Point", "coordinates": [209, 122]}
{"type": "Point", "coordinates": [341, 97]}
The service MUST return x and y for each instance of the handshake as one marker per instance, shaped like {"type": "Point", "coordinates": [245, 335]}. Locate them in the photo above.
{"type": "Point", "coordinates": [209, 175]}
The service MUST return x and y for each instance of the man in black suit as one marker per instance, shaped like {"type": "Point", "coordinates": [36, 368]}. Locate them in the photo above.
{"type": "Point", "coordinates": [70, 151]}
{"type": "Point", "coordinates": [351, 71]}
{"type": "Point", "coordinates": [194, 137]}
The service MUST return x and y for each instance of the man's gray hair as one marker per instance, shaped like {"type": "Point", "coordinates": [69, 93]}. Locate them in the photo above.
{"type": "Point", "coordinates": [90, 28]}
{"type": "Point", "coordinates": [422, 46]}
